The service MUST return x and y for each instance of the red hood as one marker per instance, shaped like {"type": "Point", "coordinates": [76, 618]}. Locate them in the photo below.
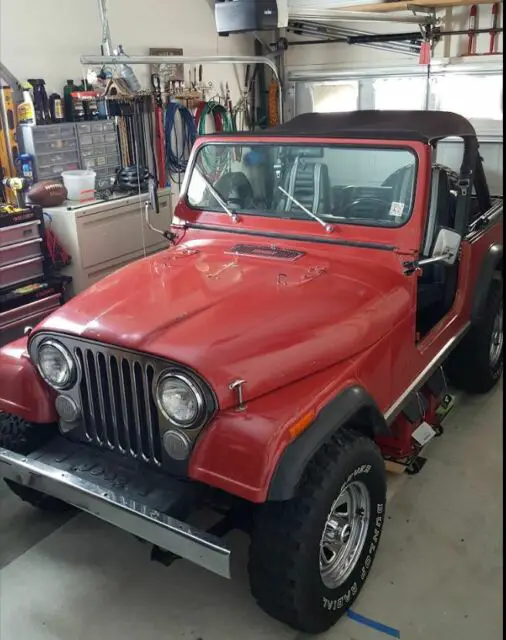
{"type": "Point", "coordinates": [264, 320]}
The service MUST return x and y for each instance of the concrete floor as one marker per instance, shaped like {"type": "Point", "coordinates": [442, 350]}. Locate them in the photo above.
{"type": "Point", "coordinates": [437, 576]}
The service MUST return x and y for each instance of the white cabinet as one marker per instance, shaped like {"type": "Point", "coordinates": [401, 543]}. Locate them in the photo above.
{"type": "Point", "coordinates": [102, 237]}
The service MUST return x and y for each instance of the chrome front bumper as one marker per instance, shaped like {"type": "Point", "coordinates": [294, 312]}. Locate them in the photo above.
{"type": "Point", "coordinates": [134, 500]}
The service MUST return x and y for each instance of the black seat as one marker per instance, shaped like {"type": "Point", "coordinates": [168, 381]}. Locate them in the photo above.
{"type": "Point", "coordinates": [402, 182]}
{"type": "Point", "coordinates": [309, 183]}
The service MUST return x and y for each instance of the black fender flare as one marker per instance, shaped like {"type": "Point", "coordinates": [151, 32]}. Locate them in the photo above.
{"type": "Point", "coordinates": [492, 262]}
{"type": "Point", "coordinates": [351, 405]}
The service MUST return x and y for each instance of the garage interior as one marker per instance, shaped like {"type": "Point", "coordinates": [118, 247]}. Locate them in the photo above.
{"type": "Point", "coordinates": [121, 133]}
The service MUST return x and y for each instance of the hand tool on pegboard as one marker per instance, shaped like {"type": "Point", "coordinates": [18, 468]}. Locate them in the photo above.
{"type": "Point", "coordinates": [494, 30]}
{"type": "Point", "coordinates": [159, 131]}
{"type": "Point", "coordinates": [472, 27]}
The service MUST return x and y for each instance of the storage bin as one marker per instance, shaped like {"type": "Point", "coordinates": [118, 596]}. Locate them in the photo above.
{"type": "Point", "coordinates": [56, 145]}
{"type": "Point", "coordinates": [86, 140]}
{"type": "Point", "coordinates": [59, 157]}
{"type": "Point", "coordinates": [20, 251]}
{"type": "Point", "coordinates": [80, 185]}
{"type": "Point", "coordinates": [21, 272]}
{"type": "Point", "coordinates": [89, 162]}
{"type": "Point", "coordinates": [53, 131]}
{"type": "Point", "coordinates": [19, 233]}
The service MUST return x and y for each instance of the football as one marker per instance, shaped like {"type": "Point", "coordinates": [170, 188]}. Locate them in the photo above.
{"type": "Point", "coordinates": [47, 193]}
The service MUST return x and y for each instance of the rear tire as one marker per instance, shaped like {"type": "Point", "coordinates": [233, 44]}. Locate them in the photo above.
{"type": "Point", "coordinates": [297, 567]}
{"type": "Point", "coordinates": [477, 363]}
{"type": "Point", "coordinates": [24, 437]}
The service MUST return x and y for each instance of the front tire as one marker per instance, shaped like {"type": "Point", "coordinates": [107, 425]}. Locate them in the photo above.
{"type": "Point", "coordinates": [477, 363]}
{"type": "Point", "coordinates": [24, 437]}
{"type": "Point", "coordinates": [299, 548]}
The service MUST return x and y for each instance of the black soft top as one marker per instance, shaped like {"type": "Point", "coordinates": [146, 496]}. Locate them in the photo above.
{"type": "Point", "coordinates": [426, 126]}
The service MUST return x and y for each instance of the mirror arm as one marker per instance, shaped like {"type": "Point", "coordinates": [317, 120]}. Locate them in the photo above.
{"type": "Point", "coordinates": [168, 235]}
{"type": "Point", "coordinates": [414, 265]}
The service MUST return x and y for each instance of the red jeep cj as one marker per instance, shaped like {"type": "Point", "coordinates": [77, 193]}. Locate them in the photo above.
{"type": "Point", "coordinates": [324, 279]}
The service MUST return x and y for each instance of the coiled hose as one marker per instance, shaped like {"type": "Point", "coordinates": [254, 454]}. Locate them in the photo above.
{"type": "Point", "coordinates": [216, 163]}
{"type": "Point", "coordinates": [179, 139]}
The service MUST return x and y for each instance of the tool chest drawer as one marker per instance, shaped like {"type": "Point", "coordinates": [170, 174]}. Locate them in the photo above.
{"type": "Point", "coordinates": [38, 308]}
{"type": "Point", "coordinates": [18, 272]}
{"type": "Point", "coordinates": [19, 233]}
{"type": "Point", "coordinates": [20, 251]}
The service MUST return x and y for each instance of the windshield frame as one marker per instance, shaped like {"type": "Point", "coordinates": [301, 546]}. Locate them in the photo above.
{"type": "Point", "coordinates": [239, 141]}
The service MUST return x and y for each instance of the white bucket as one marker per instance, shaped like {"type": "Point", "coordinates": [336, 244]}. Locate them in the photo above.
{"type": "Point", "coordinates": [80, 184]}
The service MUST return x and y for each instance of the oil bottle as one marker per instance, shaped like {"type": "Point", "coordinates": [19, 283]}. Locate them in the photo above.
{"type": "Point", "coordinates": [56, 108]}
{"type": "Point", "coordinates": [68, 89]}
{"type": "Point", "coordinates": [26, 110]}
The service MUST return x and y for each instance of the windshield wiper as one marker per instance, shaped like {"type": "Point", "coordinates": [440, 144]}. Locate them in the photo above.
{"type": "Point", "coordinates": [217, 197]}
{"type": "Point", "coordinates": [328, 227]}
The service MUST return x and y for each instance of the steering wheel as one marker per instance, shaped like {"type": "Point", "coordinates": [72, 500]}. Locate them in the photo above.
{"type": "Point", "coordinates": [367, 205]}
{"type": "Point", "coordinates": [235, 189]}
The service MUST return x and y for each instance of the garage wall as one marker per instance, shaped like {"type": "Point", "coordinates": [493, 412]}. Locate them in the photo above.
{"type": "Point", "coordinates": [46, 39]}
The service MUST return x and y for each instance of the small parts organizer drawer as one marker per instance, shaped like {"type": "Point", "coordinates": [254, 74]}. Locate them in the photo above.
{"type": "Point", "coordinates": [19, 233]}
{"type": "Point", "coordinates": [20, 251]}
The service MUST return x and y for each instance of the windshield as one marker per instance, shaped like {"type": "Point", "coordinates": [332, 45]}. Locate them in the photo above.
{"type": "Point", "coordinates": [372, 186]}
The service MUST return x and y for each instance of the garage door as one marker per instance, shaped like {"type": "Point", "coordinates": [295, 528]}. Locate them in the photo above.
{"type": "Point", "coordinates": [474, 92]}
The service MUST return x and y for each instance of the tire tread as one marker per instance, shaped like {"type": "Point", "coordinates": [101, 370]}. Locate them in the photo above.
{"type": "Point", "coordinates": [279, 539]}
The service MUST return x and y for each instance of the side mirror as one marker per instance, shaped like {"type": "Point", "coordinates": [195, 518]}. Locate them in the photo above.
{"type": "Point", "coordinates": [447, 246]}
{"type": "Point", "coordinates": [446, 251]}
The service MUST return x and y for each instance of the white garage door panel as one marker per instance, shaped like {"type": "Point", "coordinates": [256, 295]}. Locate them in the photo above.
{"type": "Point", "coordinates": [450, 154]}
{"type": "Point", "coordinates": [450, 89]}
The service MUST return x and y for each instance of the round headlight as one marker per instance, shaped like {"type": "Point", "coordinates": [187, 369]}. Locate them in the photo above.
{"type": "Point", "coordinates": [179, 399]}
{"type": "Point", "coordinates": [56, 365]}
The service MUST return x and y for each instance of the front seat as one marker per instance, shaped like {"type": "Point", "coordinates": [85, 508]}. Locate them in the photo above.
{"type": "Point", "coordinates": [309, 183]}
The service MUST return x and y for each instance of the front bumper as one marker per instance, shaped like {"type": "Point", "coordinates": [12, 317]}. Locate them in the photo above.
{"type": "Point", "coordinates": [138, 500]}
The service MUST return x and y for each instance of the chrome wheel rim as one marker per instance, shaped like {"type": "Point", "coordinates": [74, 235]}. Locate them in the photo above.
{"type": "Point", "coordinates": [344, 534]}
{"type": "Point", "coordinates": [496, 342]}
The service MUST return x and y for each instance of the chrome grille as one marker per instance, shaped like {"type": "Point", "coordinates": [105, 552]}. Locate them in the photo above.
{"type": "Point", "coordinates": [119, 412]}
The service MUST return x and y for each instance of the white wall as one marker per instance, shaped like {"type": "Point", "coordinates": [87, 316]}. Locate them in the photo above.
{"type": "Point", "coordinates": [45, 39]}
